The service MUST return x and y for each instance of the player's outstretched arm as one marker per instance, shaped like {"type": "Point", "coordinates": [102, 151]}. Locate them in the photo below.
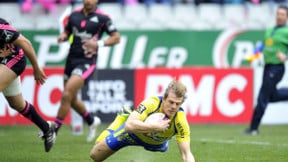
{"type": "Point", "coordinates": [29, 51]}
{"type": "Point", "coordinates": [185, 151]}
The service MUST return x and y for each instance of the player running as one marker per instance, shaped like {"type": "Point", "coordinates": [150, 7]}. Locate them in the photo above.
{"type": "Point", "coordinates": [85, 28]}
{"type": "Point", "coordinates": [14, 48]}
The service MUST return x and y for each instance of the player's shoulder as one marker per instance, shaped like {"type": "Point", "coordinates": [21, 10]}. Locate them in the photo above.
{"type": "Point", "coordinates": [272, 28]}
{"type": "Point", "coordinates": [77, 11]}
{"type": "Point", "coordinates": [5, 25]}
{"type": "Point", "coordinates": [269, 29]}
{"type": "Point", "coordinates": [281, 30]}
{"type": "Point", "coordinates": [285, 28]}
{"type": "Point", "coordinates": [150, 103]}
{"type": "Point", "coordinates": [152, 100]}
{"type": "Point", "coordinates": [102, 16]}
{"type": "Point", "coordinates": [3, 21]}
{"type": "Point", "coordinates": [180, 114]}
{"type": "Point", "coordinates": [102, 13]}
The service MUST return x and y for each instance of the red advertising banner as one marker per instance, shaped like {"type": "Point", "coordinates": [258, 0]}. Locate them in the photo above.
{"type": "Point", "coordinates": [45, 98]}
{"type": "Point", "coordinates": [213, 95]}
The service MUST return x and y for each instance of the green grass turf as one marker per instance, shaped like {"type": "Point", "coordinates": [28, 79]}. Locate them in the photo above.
{"type": "Point", "coordinates": [209, 143]}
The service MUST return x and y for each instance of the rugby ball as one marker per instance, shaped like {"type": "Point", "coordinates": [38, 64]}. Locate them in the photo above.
{"type": "Point", "coordinates": [155, 117]}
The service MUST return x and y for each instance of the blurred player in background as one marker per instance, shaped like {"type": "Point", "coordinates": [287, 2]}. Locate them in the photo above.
{"type": "Point", "coordinates": [14, 48]}
{"type": "Point", "coordinates": [86, 25]}
{"type": "Point", "coordinates": [274, 50]}
{"type": "Point", "coordinates": [151, 136]}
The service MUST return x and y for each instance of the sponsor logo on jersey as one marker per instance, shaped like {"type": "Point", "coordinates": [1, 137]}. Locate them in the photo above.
{"type": "Point", "coordinates": [94, 19]}
{"type": "Point", "coordinates": [83, 35]}
{"type": "Point", "coordinates": [8, 35]}
{"type": "Point", "coordinates": [141, 109]}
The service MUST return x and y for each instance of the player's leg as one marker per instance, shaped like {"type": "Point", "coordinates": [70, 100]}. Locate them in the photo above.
{"type": "Point", "coordinates": [271, 77]}
{"type": "Point", "coordinates": [71, 87]}
{"type": "Point", "coordinates": [78, 105]}
{"type": "Point", "coordinates": [118, 121]}
{"type": "Point", "coordinates": [120, 118]}
{"type": "Point", "coordinates": [112, 143]}
{"type": "Point", "coordinates": [282, 93]}
{"type": "Point", "coordinates": [9, 77]}
{"type": "Point", "coordinates": [92, 121]}
{"type": "Point", "coordinates": [267, 89]}
{"type": "Point", "coordinates": [262, 101]}
{"type": "Point", "coordinates": [101, 151]}
{"type": "Point", "coordinates": [10, 85]}
{"type": "Point", "coordinates": [28, 111]}
{"type": "Point", "coordinates": [16, 101]}
{"type": "Point", "coordinates": [11, 88]}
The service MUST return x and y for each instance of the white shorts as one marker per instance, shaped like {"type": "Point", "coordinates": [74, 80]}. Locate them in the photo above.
{"type": "Point", "coordinates": [14, 88]}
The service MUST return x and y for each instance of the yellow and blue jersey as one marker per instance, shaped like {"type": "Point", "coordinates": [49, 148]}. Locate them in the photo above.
{"type": "Point", "coordinates": [154, 141]}
{"type": "Point", "coordinates": [178, 123]}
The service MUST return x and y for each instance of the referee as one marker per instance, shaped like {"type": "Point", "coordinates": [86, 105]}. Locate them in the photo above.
{"type": "Point", "coordinates": [274, 50]}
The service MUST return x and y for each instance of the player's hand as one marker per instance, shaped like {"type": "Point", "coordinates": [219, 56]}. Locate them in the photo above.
{"type": "Point", "coordinates": [89, 44]}
{"type": "Point", "coordinates": [62, 37]}
{"type": "Point", "coordinates": [281, 56]}
{"type": "Point", "coordinates": [39, 76]}
{"type": "Point", "coordinates": [90, 47]}
{"type": "Point", "coordinates": [6, 50]}
{"type": "Point", "coordinates": [162, 125]}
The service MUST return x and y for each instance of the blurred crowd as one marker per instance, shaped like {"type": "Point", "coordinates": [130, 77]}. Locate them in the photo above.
{"type": "Point", "coordinates": [50, 5]}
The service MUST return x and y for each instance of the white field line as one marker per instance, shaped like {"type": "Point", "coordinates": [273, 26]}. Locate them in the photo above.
{"type": "Point", "coordinates": [240, 142]}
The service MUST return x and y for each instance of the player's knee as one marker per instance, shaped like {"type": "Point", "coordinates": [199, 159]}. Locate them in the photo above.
{"type": "Point", "coordinates": [66, 96]}
{"type": "Point", "coordinates": [93, 155]}
{"type": "Point", "coordinates": [100, 152]}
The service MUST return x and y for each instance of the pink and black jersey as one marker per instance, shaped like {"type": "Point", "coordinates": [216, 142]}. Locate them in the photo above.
{"type": "Point", "coordinates": [7, 35]}
{"type": "Point", "coordinates": [16, 61]}
{"type": "Point", "coordinates": [82, 27]}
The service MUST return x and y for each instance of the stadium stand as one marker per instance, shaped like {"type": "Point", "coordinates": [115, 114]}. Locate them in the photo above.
{"type": "Point", "coordinates": [134, 19]}
{"type": "Point", "coordinates": [114, 10]}
{"type": "Point", "coordinates": [160, 13]}
{"type": "Point", "coordinates": [256, 18]}
{"type": "Point", "coordinates": [211, 13]}
{"type": "Point", "coordinates": [235, 15]}
{"type": "Point", "coordinates": [179, 16]}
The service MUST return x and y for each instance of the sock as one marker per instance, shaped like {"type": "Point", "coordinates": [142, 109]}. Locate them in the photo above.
{"type": "Point", "coordinates": [88, 118]}
{"type": "Point", "coordinates": [58, 123]}
{"type": "Point", "coordinates": [30, 113]}
{"type": "Point", "coordinates": [118, 121]}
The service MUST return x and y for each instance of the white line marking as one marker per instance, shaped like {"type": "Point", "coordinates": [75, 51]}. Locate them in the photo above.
{"type": "Point", "coordinates": [240, 142]}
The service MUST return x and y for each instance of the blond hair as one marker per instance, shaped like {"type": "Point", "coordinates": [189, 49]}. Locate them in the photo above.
{"type": "Point", "coordinates": [176, 87]}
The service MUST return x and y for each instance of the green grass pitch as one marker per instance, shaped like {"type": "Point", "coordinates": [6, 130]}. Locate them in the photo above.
{"type": "Point", "coordinates": [209, 143]}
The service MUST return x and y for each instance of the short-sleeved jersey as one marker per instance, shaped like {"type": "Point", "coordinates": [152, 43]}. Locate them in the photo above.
{"type": "Point", "coordinates": [82, 27]}
{"type": "Point", "coordinates": [179, 126]}
{"type": "Point", "coordinates": [7, 35]}
{"type": "Point", "coordinates": [16, 61]}
{"type": "Point", "coordinates": [276, 39]}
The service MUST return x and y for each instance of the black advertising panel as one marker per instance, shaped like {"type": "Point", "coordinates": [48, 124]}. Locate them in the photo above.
{"type": "Point", "coordinates": [107, 91]}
